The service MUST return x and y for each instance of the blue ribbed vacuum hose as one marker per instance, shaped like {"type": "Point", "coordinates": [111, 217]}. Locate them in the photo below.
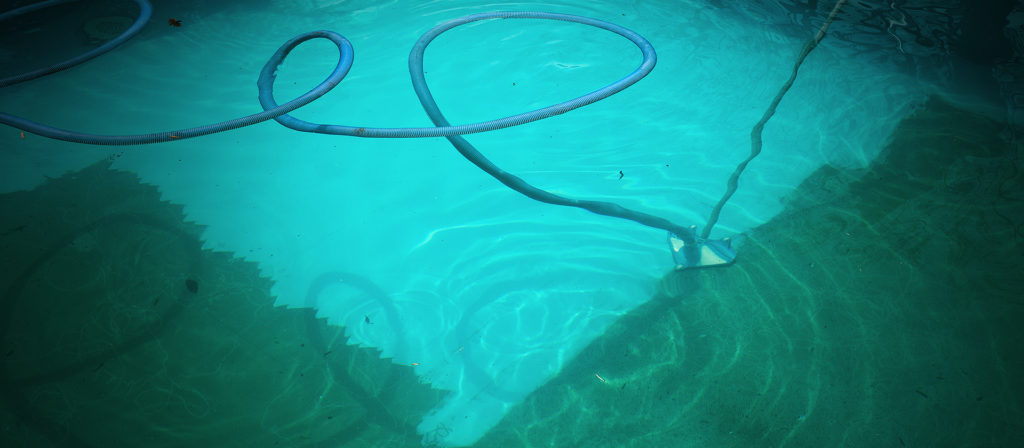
{"type": "Point", "coordinates": [442, 128]}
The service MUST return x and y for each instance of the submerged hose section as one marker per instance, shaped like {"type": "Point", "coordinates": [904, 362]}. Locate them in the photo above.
{"type": "Point", "coordinates": [452, 133]}
{"type": "Point", "coordinates": [442, 128]}
{"type": "Point", "coordinates": [269, 71]}
{"type": "Point", "coordinates": [755, 133]}
{"type": "Point", "coordinates": [145, 11]}
{"type": "Point", "coordinates": [419, 83]}
{"type": "Point", "coordinates": [514, 182]}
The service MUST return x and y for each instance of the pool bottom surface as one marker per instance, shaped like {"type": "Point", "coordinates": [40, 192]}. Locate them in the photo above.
{"type": "Point", "coordinates": [878, 309]}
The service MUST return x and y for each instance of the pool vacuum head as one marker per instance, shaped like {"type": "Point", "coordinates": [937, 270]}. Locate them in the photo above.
{"type": "Point", "coordinates": [702, 254]}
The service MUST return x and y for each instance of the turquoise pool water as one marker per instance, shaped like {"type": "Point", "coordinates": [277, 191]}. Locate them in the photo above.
{"type": "Point", "coordinates": [488, 294]}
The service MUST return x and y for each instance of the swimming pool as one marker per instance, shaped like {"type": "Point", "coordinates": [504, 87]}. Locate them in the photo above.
{"type": "Point", "coordinates": [486, 293]}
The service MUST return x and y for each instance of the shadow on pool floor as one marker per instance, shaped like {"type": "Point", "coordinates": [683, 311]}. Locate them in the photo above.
{"type": "Point", "coordinates": [118, 329]}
